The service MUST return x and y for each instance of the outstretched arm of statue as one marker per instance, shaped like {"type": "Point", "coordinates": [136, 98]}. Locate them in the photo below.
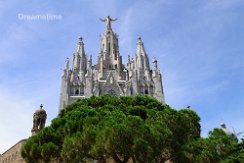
{"type": "Point", "coordinates": [114, 19]}
{"type": "Point", "coordinates": [103, 20]}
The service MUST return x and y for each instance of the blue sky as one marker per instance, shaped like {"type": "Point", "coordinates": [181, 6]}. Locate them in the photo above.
{"type": "Point", "coordinates": [198, 44]}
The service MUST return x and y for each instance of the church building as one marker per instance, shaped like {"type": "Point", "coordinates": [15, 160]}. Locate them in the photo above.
{"type": "Point", "coordinates": [109, 75]}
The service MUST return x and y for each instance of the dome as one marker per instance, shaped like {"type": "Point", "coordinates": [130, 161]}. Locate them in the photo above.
{"type": "Point", "coordinates": [40, 110]}
{"type": "Point", "coordinates": [39, 120]}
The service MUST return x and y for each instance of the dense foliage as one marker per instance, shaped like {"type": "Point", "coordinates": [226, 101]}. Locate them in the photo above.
{"type": "Point", "coordinates": [139, 129]}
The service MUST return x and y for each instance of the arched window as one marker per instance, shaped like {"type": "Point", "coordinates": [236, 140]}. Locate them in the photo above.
{"type": "Point", "coordinates": [77, 92]}
{"type": "Point", "coordinates": [115, 52]}
{"type": "Point", "coordinates": [146, 91]}
{"type": "Point", "coordinates": [82, 90]}
{"type": "Point", "coordinates": [151, 89]}
{"type": "Point", "coordinates": [109, 48]}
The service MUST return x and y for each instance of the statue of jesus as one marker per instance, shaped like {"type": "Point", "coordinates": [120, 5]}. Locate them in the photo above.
{"type": "Point", "coordinates": [108, 22]}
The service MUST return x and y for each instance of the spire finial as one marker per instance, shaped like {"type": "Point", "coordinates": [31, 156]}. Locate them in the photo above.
{"type": "Point", "coordinates": [67, 63]}
{"type": "Point", "coordinates": [90, 62]}
{"type": "Point", "coordinates": [155, 63]}
{"type": "Point", "coordinates": [41, 106]}
{"type": "Point", "coordinates": [139, 41]}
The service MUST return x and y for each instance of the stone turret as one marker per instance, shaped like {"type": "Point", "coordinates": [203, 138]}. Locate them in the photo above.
{"type": "Point", "coordinates": [79, 67]}
{"type": "Point", "coordinates": [39, 120]}
{"type": "Point", "coordinates": [142, 61]}
{"type": "Point", "coordinates": [157, 80]}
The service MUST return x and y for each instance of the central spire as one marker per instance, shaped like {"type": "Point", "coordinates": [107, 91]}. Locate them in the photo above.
{"type": "Point", "coordinates": [108, 21]}
{"type": "Point", "coordinates": [109, 58]}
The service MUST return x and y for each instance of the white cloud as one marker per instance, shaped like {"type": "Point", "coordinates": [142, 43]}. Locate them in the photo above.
{"type": "Point", "coordinates": [125, 31]}
{"type": "Point", "coordinates": [16, 119]}
{"type": "Point", "coordinates": [9, 47]}
{"type": "Point", "coordinates": [134, 21]}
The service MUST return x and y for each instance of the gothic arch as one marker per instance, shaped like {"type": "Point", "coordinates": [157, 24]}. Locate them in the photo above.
{"type": "Point", "coordinates": [146, 92]}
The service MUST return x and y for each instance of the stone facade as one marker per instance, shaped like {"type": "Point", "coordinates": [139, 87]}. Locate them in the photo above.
{"type": "Point", "coordinates": [12, 155]}
{"type": "Point", "coordinates": [109, 75]}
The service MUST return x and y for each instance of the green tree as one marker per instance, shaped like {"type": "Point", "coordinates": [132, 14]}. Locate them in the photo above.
{"type": "Point", "coordinates": [106, 127]}
{"type": "Point", "coordinates": [224, 143]}
{"type": "Point", "coordinates": [237, 154]}
{"type": "Point", "coordinates": [216, 148]}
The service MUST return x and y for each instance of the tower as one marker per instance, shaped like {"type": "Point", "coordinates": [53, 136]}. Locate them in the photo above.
{"type": "Point", "coordinates": [110, 75]}
{"type": "Point", "coordinates": [39, 120]}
